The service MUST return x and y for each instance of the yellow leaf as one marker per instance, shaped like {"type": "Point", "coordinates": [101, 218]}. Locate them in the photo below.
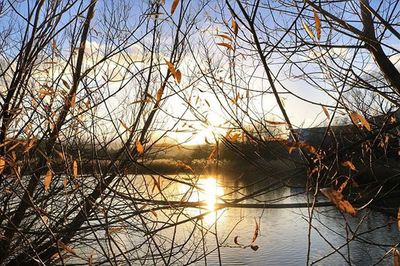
{"type": "Point", "coordinates": [308, 30]}
{"type": "Point", "coordinates": [139, 147]}
{"type": "Point", "coordinates": [47, 179]}
{"type": "Point", "coordinates": [326, 112]}
{"type": "Point", "coordinates": [337, 198]}
{"type": "Point", "coordinates": [174, 5]}
{"type": "Point", "coordinates": [224, 36]}
{"type": "Point", "coordinates": [360, 120]}
{"type": "Point", "coordinates": [349, 165]}
{"type": "Point", "coordinates": [74, 169]}
{"type": "Point", "coordinates": [227, 45]}
{"type": "Point", "coordinates": [317, 24]}
{"type": "Point", "coordinates": [2, 164]}
{"type": "Point", "coordinates": [235, 27]}
{"type": "Point", "coordinates": [276, 123]}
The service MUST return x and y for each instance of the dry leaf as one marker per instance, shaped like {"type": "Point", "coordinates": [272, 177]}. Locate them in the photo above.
{"type": "Point", "coordinates": [124, 125]}
{"type": "Point", "coordinates": [184, 166]}
{"type": "Point", "coordinates": [256, 231]}
{"type": "Point", "coordinates": [360, 120]}
{"type": "Point", "coordinates": [343, 185]}
{"type": "Point", "coordinates": [308, 30]}
{"type": "Point", "coordinates": [174, 5]}
{"type": "Point", "coordinates": [178, 76]}
{"type": "Point", "coordinates": [326, 112]}
{"type": "Point", "coordinates": [224, 36]}
{"type": "Point", "coordinates": [160, 92]}
{"type": "Point", "coordinates": [75, 169]}
{"type": "Point", "coordinates": [254, 247]}
{"type": "Point", "coordinates": [235, 137]}
{"type": "Point", "coordinates": [338, 199]}
{"type": "Point", "coordinates": [213, 154]}
{"type": "Point", "coordinates": [317, 24]}
{"type": "Point", "coordinates": [349, 165]}
{"type": "Point", "coordinates": [227, 45]}
{"type": "Point", "coordinates": [398, 219]}
{"type": "Point", "coordinates": [66, 84]}
{"type": "Point", "coordinates": [72, 102]}
{"type": "Point", "coordinates": [175, 73]}
{"type": "Point", "coordinates": [47, 179]}
{"type": "Point", "coordinates": [276, 123]}
{"type": "Point", "coordinates": [396, 257]}
{"type": "Point", "coordinates": [66, 248]}
{"type": "Point", "coordinates": [2, 164]}
{"type": "Point", "coordinates": [235, 27]}
{"type": "Point", "coordinates": [139, 147]}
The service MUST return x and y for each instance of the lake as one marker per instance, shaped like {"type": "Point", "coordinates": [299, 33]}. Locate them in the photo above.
{"type": "Point", "coordinates": [284, 235]}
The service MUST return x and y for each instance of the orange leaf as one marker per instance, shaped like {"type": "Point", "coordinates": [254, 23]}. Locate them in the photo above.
{"type": "Point", "coordinates": [174, 5]}
{"type": "Point", "coordinates": [235, 27]}
{"type": "Point", "coordinates": [184, 166]}
{"type": "Point", "coordinates": [2, 164]}
{"type": "Point", "coordinates": [227, 45]}
{"type": "Point", "coordinates": [317, 24]}
{"type": "Point", "coordinates": [175, 73]}
{"type": "Point", "coordinates": [178, 76]}
{"type": "Point", "coordinates": [74, 169]}
{"type": "Point", "coordinates": [47, 179]}
{"type": "Point", "coordinates": [337, 198]}
{"type": "Point", "coordinates": [160, 92]}
{"type": "Point", "coordinates": [235, 137]}
{"type": "Point", "coordinates": [360, 120]}
{"type": "Point", "coordinates": [349, 165]}
{"type": "Point", "coordinates": [343, 185]}
{"type": "Point", "coordinates": [224, 36]}
{"type": "Point", "coordinates": [139, 147]}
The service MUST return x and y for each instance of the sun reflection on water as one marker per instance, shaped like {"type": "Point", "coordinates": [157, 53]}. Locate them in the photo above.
{"type": "Point", "coordinates": [208, 191]}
